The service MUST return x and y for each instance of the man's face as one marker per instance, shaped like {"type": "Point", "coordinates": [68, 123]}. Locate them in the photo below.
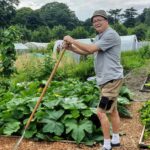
{"type": "Point", "coordinates": [100, 24]}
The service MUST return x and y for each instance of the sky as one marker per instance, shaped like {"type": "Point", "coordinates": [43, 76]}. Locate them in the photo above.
{"type": "Point", "coordinates": [85, 8]}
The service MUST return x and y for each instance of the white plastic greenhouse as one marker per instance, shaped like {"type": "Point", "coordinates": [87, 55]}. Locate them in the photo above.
{"type": "Point", "coordinates": [36, 45]}
{"type": "Point", "coordinates": [21, 48]}
{"type": "Point", "coordinates": [129, 42]}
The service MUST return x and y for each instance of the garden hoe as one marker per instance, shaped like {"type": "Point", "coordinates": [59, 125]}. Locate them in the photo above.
{"type": "Point", "coordinates": [39, 100]}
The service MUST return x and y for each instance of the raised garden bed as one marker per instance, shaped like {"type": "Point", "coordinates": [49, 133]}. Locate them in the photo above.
{"type": "Point", "coordinates": [146, 86]}
{"type": "Point", "coordinates": [144, 143]}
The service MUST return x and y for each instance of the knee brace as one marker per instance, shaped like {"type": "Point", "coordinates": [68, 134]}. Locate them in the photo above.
{"type": "Point", "coordinates": [105, 103]}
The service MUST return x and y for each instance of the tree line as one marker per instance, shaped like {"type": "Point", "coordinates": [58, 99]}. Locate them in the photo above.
{"type": "Point", "coordinates": [54, 20]}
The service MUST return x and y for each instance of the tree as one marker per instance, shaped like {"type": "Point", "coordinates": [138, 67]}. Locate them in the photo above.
{"type": "Point", "coordinates": [58, 32]}
{"type": "Point", "coordinates": [7, 11]}
{"type": "Point", "coordinates": [42, 34]}
{"type": "Point", "coordinates": [120, 28]}
{"type": "Point", "coordinates": [21, 16]}
{"type": "Point", "coordinates": [144, 17]}
{"type": "Point", "coordinates": [110, 19]}
{"type": "Point", "coordinates": [129, 15]}
{"type": "Point", "coordinates": [140, 31]}
{"type": "Point", "coordinates": [148, 35]}
{"type": "Point", "coordinates": [34, 21]}
{"type": "Point", "coordinates": [115, 13]}
{"type": "Point", "coordinates": [26, 33]}
{"type": "Point", "coordinates": [147, 16]}
{"type": "Point", "coordinates": [29, 18]}
{"type": "Point", "coordinates": [79, 32]}
{"type": "Point", "coordinates": [87, 23]}
{"type": "Point", "coordinates": [141, 18]}
{"type": "Point", "coordinates": [58, 14]}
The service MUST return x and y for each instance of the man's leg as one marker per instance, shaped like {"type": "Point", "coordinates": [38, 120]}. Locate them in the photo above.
{"type": "Point", "coordinates": [115, 120]}
{"type": "Point", "coordinates": [108, 104]}
{"type": "Point", "coordinates": [105, 125]}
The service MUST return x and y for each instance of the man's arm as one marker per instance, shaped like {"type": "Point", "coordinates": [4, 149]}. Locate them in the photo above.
{"type": "Point", "coordinates": [75, 49]}
{"type": "Point", "coordinates": [79, 51]}
{"type": "Point", "coordinates": [89, 48]}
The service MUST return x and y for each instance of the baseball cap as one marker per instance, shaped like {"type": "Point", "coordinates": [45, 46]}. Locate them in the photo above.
{"type": "Point", "coordinates": [101, 13]}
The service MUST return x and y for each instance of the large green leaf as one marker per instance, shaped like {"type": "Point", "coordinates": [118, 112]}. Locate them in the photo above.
{"type": "Point", "coordinates": [125, 92]}
{"type": "Point", "coordinates": [53, 114]}
{"type": "Point", "coordinates": [14, 103]}
{"type": "Point", "coordinates": [11, 127]}
{"type": "Point", "coordinates": [40, 136]}
{"type": "Point", "coordinates": [29, 133]}
{"type": "Point", "coordinates": [32, 102]}
{"type": "Point", "coordinates": [78, 129]}
{"type": "Point", "coordinates": [31, 130]}
{"type": "Point", "coordinates": [6, 115]}
{"type": "Point", "coordinates": [53, 126]}
{"type": "Point", "coordinates": [18, 114]}
{"type": "Point", "coordinates": [75, 113]}
{"type": "Point", "coordinates": [123, 101]}
{"type": "Point", "coordinates": [52, 104]}
{"type": "Point", "coordinates": [87, 113]}
{"type": "Point", "coordinates": [124, 112]}
{"type": "Point", "coordinates": [73, 103]}
{"type": "Point", "coordinates": [92, 139]}
{"type": "Point", "coordinates": [40, 114]}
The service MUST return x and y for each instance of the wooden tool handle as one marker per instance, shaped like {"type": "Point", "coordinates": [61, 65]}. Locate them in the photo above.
{"type": "Point", "coordinates": [45, 88]}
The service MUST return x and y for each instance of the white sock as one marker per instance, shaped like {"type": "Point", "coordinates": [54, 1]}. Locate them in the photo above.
{"type": "Point", "coordinates": [115, 138]}
{"type": "Point", "coordinates": [107, 143]}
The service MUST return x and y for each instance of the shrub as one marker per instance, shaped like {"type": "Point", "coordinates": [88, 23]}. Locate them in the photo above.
{"type": "Point", "coordinates": [7, 50]}
{"type": "Point", "coordinates": [131, 60]}
{"type": "Point", "coordinates": [83, 70]}
{"type": "Point", "coordinates": [144, 52]}
{"type": "Point", "coordinates": [70, 68]}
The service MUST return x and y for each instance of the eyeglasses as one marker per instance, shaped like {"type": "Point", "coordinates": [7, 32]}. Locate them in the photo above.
{"type": "Point", "coordinates": [98, 20]}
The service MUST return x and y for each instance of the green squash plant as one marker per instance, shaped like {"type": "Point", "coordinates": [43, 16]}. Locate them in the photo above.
{"type": "Point", "coordinates": [67, 112]}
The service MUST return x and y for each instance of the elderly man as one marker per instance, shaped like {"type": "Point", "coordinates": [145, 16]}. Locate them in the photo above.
{"type": "Point", "coordinates": [109, 73]}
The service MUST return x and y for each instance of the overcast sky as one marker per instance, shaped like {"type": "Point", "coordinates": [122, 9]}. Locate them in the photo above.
{"type": "Point", "coordinates": [84, 8]}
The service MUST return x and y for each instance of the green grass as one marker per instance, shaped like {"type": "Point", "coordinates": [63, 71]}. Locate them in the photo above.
{"type": "Point", "coordinates": [131, 60]}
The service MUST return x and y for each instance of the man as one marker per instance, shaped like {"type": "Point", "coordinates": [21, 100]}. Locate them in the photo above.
{"type": "Point", "coordinates": [109, 73]}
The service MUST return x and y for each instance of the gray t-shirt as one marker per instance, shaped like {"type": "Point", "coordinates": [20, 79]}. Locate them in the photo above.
{"type": "Point", "coordinates": [107, 59]}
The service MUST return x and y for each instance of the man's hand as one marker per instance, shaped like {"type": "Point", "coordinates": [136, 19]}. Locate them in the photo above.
{"type": "Point", "coordinates": [67, 45]}
{"type": "Point", "coordinates": [59, 44]}
{"type": "Point", "coordinates": [68, 39]}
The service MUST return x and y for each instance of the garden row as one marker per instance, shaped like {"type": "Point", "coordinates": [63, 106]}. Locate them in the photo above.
{"type": "Point", "coordinates": [67, 112]}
